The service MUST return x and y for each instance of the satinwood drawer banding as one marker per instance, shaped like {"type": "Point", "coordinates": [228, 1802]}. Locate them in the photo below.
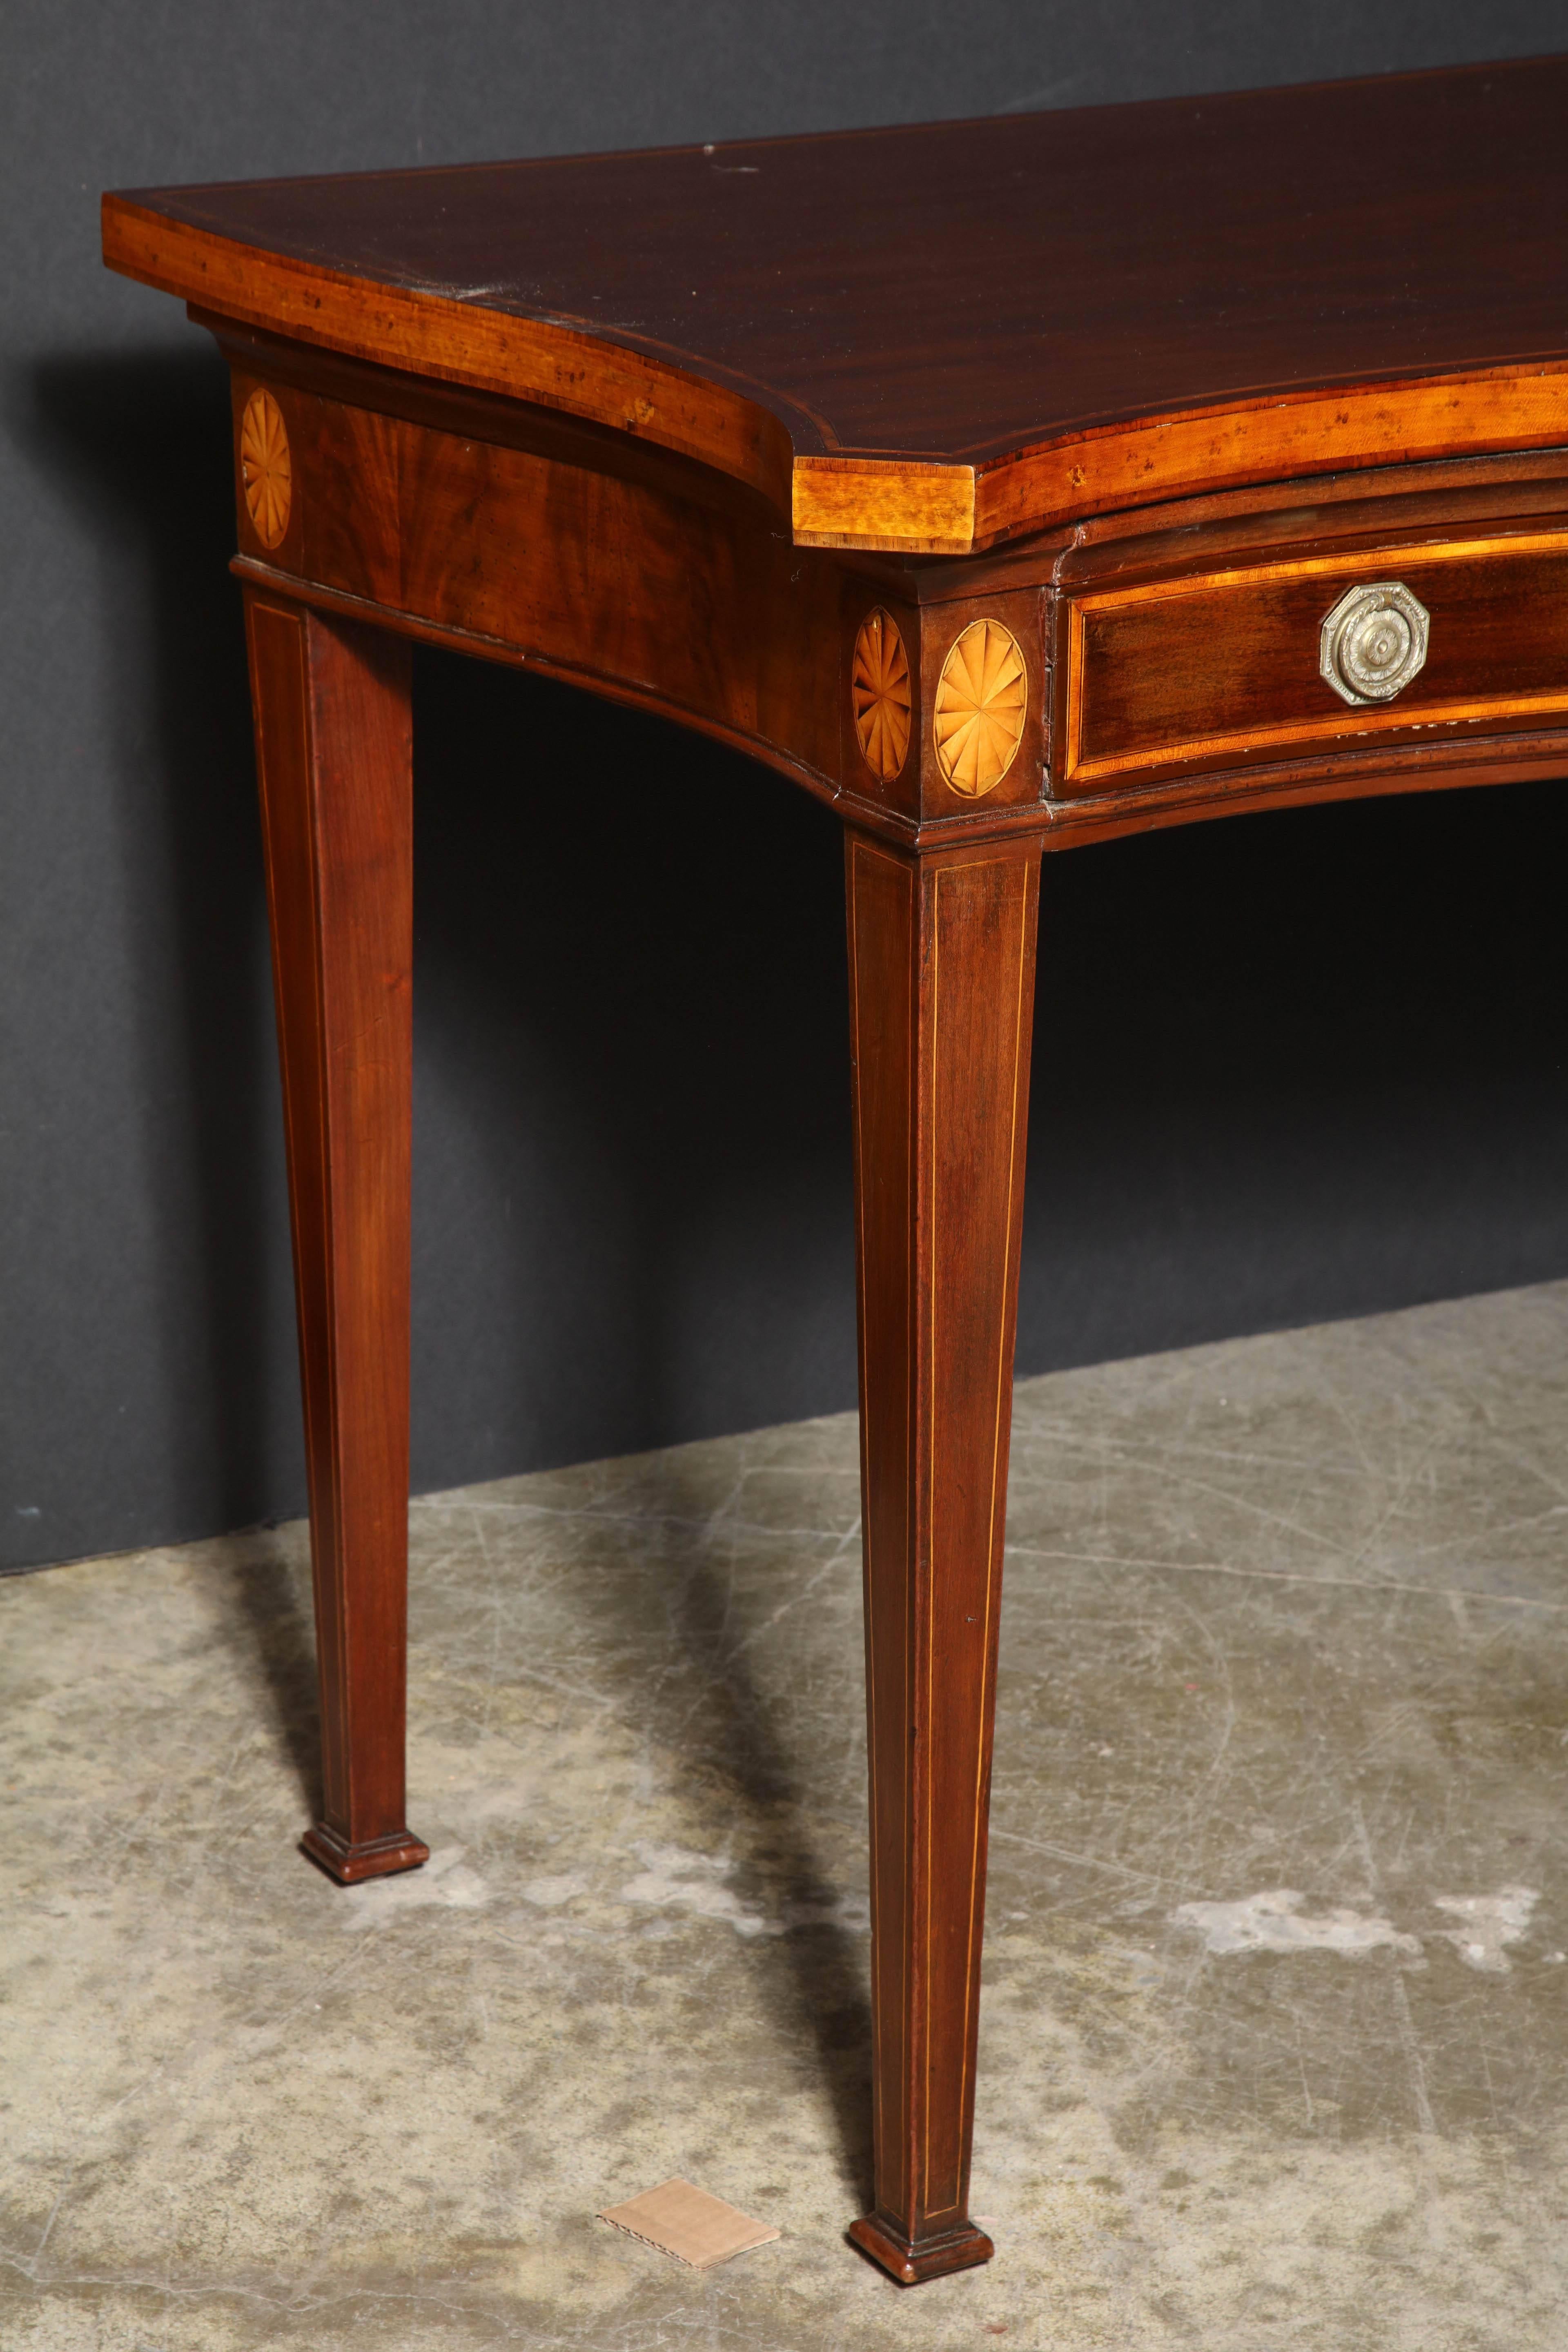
{"type": "Point", "coordinates": [1224, 667]}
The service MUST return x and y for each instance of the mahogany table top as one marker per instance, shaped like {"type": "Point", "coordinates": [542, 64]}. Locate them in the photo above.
{"type": "Point", "coordinates": [941, 336]}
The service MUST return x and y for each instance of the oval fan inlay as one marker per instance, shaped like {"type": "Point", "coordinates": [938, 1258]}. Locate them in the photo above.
{"type": "Point", "coordinates": [982, 699]}
{"type": "Point", "coordinates": [265, 466]}
{"type": "Point", "coordinates": [879, 695]}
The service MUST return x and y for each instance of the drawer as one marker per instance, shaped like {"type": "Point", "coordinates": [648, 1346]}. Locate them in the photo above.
{"type": "Point", "coordinates": [1265, 661]}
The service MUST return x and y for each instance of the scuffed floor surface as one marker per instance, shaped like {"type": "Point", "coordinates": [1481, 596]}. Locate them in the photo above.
{"type": "Point", "coordinates": [1275, 2036]}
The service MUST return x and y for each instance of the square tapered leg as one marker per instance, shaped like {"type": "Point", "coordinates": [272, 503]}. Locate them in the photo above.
{"type": "Point", "coordinates": [941, 985]}
{"type": "Point", "coordinates": [334, 756]}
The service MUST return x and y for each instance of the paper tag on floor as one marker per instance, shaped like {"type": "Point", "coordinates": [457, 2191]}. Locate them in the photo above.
{"type": "Point", "coordinates": [690, 2224]}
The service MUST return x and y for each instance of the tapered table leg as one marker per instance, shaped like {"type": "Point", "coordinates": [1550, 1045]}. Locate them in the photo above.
{"type": "Point", "coordinates": [334, 755]}
{"type": "Point", "coordinates": [941, 952]}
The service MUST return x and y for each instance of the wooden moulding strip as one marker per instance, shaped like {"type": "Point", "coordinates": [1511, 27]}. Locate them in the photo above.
{"type": "Point", "coordinates": [1359, 772]}
{"type": "Point", "coordinates": [1476, 712]}
{"type": "Point", "coordinates": [1283, 439]}
{"type": "Point", "coordinates": [956, 509]}
{"type": "Point", "coordinates": [891, 505]}
{"type": "Point", "coordinates": [458, 342]}
{"type": "Point", "coordinates": [982, 822]}
{"type": "Point", "coordinates": [1345, 724]}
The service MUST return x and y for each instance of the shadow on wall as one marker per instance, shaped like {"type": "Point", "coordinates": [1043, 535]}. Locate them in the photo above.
{"type": "Point", "coordinates": [633, 1084]}
{"type": "Point", "coordinates": [632, 1190]}
{"type": "Point", "coordinates": [1305, 1067]}
{"type": "Point", "coordinates": [1297, 1067]}
{"type": "Point", "coordinates": [140, 446]}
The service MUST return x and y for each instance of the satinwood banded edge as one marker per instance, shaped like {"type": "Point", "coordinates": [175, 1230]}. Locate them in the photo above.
{"type": "Point", "coordinates": [884, 503]}
{"type": "Point", "coordinates": [1369, 770]}
{"type": "Point", "coordinates": [1543, 702]}
{"type": "Point", "coordinates": [933, 509]}
{"type": "Point", "coordinates": [456, 343]}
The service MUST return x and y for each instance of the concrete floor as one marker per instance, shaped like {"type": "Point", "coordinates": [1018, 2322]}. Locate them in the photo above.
{"type": "Point", "coordinates": [1276, 2023]}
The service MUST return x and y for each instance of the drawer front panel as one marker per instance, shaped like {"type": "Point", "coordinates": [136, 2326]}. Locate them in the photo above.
{"type": "Point", "coordinates": [1223, 668]}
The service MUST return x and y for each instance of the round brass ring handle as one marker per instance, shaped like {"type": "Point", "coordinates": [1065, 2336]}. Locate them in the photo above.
{"type": "Point", "coordinates": [1373, 641]}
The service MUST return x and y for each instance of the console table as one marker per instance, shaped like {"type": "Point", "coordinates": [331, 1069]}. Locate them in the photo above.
{"type": "Point", "coordinates": [1008, 485]}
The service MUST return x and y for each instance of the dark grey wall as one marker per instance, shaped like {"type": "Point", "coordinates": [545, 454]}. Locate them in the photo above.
{"type": "Point", "coordinates": [1292, 1067]}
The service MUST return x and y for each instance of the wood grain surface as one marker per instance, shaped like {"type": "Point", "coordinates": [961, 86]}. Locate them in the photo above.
{"type": "Point", "coordinates": [334, 758]}
{"type": "Point", "coordinates": [941, 952]}
{"type": "Point", "coordinates": [1222, 667]}
{"type": "Point", "coordinates": [936, 338]}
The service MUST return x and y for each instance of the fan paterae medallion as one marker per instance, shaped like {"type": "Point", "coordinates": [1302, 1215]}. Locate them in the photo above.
{"type": "Point", "coordinates": [265, 466]}
{"type": "Point", "coordinates": [879, 695]}
{"type": "Point", "coordinates": [982, 698]}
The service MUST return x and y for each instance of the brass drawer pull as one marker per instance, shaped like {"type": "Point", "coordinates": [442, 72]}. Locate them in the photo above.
{"type": "Point", "coordinates": [1373, 641]}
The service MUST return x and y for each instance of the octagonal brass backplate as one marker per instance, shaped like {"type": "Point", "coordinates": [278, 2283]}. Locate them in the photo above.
{"type": "Point", "coordinates": [1373, 641]}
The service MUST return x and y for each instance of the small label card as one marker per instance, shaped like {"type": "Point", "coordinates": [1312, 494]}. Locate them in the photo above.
{"type": "Point", "coordinates": [690, 2224]}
